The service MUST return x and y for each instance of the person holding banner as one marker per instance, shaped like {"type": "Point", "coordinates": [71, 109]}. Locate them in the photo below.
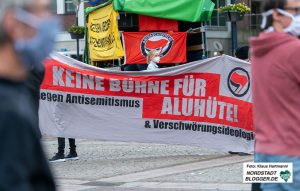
{"type": "Point", "coordinates": [27, 36]}
{"type": "Point", "coordinates": [242, 53]}
{"type": "Point", "coordinates": [152, 59]}
{"type": "Point", "coordinates": [275, 88]}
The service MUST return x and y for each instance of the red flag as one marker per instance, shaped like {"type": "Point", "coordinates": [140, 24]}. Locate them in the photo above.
{"type": "Point", "coordinates": [147, 23]}
{"type": "Point", "coordinates": [171, 46]}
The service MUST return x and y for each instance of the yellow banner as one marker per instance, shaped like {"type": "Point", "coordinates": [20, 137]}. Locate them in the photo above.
{"type": "Point", "coordinates": [104, 39]}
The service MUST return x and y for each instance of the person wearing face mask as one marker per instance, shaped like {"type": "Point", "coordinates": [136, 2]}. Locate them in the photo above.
{"type": "Point", "coordinates": [275, 88]}
{"type": "Point", "coordinates": [27, 34]}
{"type": "Point", "coordinates": [152, 59]}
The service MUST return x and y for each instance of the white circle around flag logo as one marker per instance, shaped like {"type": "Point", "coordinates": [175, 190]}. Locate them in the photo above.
{"type": "Point", "coordinates": [158, 41]}
{"type": "Point", "coordinates": [238, 82]}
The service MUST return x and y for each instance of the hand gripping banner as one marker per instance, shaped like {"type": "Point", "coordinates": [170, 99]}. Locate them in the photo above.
{"type": "Point", "coordinates": [205, 103]}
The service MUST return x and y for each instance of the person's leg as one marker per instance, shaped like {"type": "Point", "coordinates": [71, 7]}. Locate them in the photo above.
{"type": "Point", "coordinates": [72, 145]}
{"type": "Point", "coordinates": [295, 186]}
{"type": "Point", "coordinates": [296, 174]}
{"type": "Point", "coordinates": [266, 186]}
{"type": "Point", "coordinates": [60, 155]}
{"type": "Point", "coordinates": [73, 154]}
{"type": "Point", "coordinates": [256, 187]}
{"type": "Point", "coordinates": [61, 145]}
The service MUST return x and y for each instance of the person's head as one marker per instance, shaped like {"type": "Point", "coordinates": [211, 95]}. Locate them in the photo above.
{"type": "Point", "coordinates": [279, 14]}
{"type": "Point", "coordinates": [153, 55]}
{"type": "Point", "coordinates": [242, 53]}
{"type": "Point", "coordinates": [29, 27]}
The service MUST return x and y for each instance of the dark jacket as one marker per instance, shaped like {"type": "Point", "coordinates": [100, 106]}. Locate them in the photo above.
{"type": "Point", "coordinates": [33, 83]}
{"type": "Point", "coordinates": [23, 166]}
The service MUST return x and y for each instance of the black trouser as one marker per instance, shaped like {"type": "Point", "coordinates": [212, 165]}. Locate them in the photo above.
{"type": "Point", "coordinates": [135, 67]}
{"type": "Point", "coordinates": [61, 145]}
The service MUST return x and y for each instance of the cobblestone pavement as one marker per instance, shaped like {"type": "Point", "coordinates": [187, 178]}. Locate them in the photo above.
{"type": "Point", "coordinates": [116, 166]}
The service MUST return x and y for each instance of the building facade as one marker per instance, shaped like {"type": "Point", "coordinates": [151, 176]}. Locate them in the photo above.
{"type": "Point", "coordinates": [219, 31]}
{"type": "Point", "coordinates": [217, 38]}
{"type": "Point", "coordinates": [65, 10]}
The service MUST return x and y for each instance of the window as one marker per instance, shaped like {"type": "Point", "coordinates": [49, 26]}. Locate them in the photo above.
{"type": "Point", "coordinates": [54, 6]}
{"type": "Point", "coordinates": [217, 19]}
{"type": "Point", "coordinates": [69, 7]}
{"type": "Point", "coordinates": [255, 16]}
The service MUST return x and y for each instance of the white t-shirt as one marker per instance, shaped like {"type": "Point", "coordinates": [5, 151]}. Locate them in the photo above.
{"type": "Point", "coordinates": [152, 66]}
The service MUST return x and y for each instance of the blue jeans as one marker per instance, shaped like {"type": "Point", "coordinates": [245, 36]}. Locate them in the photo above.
{"type": "Point", "coordinates": [295, 186]}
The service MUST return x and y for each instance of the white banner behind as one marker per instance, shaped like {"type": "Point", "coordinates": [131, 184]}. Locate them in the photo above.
{"type": "Point", "coordinates": [204, 103]}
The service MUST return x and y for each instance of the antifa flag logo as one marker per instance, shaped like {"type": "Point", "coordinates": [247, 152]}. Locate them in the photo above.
{"type": "Point", "coordinates": [238, 82]}
{"type": "Point", "coordinates": [161, 42]}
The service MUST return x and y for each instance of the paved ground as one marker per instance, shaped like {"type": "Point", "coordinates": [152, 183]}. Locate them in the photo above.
{"type": "Point", "coordinates": [115, 166]}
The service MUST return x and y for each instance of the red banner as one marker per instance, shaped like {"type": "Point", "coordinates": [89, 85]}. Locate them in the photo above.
{"type": "Point", "coordinates": [171, 46]}
{"type": "Point", "coordinates": [147, 23]}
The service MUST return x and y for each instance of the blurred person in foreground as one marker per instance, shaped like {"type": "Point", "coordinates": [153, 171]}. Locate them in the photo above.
{"type": "Point", "coordinates": [27, 34]}
{"type": "Point", "coordinates": [276, 88]}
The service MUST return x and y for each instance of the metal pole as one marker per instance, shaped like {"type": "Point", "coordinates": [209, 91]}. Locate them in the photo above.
{"type": "Point", "coordinates": [203, 36]}
{"type": "Point", "coordinates": [233, 36]}
{"type": "Point", "coordinates": [205, 40]}
{"type": "Point", "coordinates": [77, 40]}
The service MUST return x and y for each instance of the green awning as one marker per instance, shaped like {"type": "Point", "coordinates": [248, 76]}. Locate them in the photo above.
{"type": "Point", "coordinates": [184, 10]}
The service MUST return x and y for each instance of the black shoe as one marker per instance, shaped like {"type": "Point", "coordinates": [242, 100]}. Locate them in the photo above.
{"type": "Point", "coordinates": [233, 153]}
{"type": "Point", "coordinates": [58, 158]}
{"type": "Point", "coordinates": [243, 154]}
{"type": "Point", "coordinates": [72, 156]}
